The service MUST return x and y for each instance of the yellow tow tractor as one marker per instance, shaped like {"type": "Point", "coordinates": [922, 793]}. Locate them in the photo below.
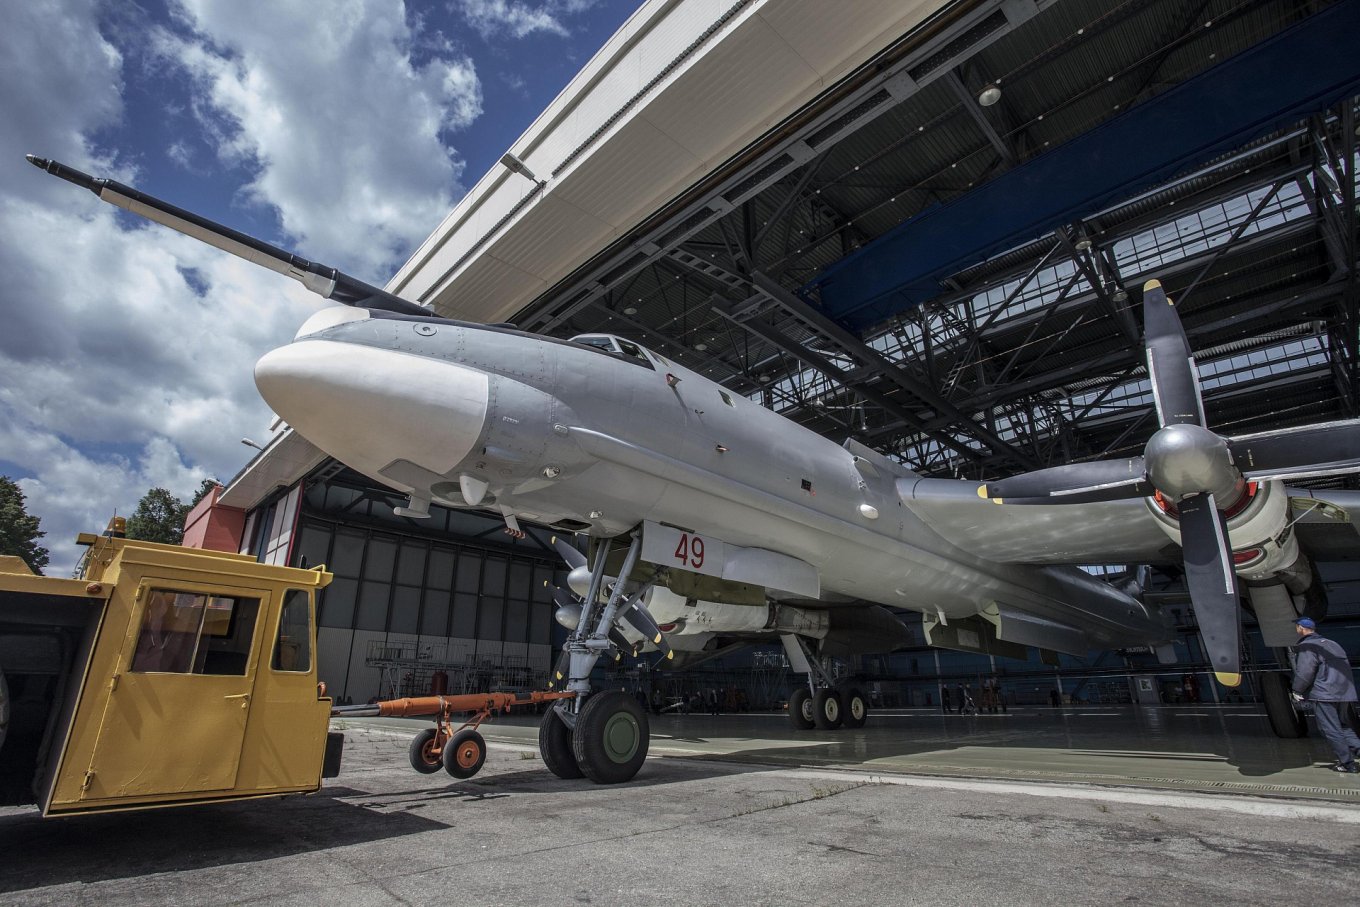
{"type": "Point", "coordinates": [162, 676]}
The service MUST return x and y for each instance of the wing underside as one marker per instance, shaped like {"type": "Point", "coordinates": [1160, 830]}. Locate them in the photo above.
{"type": "Point", "coordinates": [1108, 532]}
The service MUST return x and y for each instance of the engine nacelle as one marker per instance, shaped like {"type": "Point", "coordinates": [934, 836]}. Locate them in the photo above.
{"type": "Point", "coordinates": [1262, 547]}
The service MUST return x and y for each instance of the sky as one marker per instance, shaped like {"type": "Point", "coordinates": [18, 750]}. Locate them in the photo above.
{"type": "Point", "coordinates": [343, 130]}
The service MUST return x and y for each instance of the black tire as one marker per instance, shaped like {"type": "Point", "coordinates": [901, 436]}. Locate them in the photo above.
{"type": "Point", "coordinates": [800, 710]}
{"type": "Point", "coordinates": [826, 710]}
{"type": "Point", "coordinates": [854, 708]}
{"type": "Point", "coordinates": [611, 737]}
{"type": "Point", "coordinates": [464, 754]}
{"type": "Point", "coordinates": [4, 708]}
{"type": "Point", "coordinates": [423, 757]}
{"type": "Point", "coordinates": [1284, 720]}
{"type": "Point", "coordinates": [554, 745]}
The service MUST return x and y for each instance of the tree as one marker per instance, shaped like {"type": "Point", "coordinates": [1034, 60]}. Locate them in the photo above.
{"type": "Point", "coordinates": [159, 516]}
{"type": "Point", "coordinates": [19, 532]}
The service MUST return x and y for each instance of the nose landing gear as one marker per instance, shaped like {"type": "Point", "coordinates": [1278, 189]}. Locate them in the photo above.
{"type": "Point", "coordinates": [600, 735]}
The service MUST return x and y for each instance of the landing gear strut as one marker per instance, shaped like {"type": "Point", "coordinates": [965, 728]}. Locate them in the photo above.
{"type": "Point", "coordinates": [824, 703]}
{"type": "Point", "coordinates": [600, 735]}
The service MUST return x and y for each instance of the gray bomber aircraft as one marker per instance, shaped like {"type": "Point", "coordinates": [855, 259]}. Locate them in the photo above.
{"type": "Point", "coordinates": [715, 520]}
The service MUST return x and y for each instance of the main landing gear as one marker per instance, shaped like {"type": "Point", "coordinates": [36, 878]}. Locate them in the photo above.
{"type": "Point", "coordinates": [601, 735]}
{"type": "Point", "coordinates": [824, 703]}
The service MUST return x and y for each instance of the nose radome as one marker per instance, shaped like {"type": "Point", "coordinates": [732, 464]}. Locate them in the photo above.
{"type": "Point", "coordinates": [368, 406]}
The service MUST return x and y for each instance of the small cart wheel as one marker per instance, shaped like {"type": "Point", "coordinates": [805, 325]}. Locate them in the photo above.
{"type": "Point", "coordinates": [464, 754]}
{"type": "Point", "coordinates": [423, 752]}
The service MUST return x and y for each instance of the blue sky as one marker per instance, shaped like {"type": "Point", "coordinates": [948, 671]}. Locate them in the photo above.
{"type": "Point", "coordinates": [345, 130]}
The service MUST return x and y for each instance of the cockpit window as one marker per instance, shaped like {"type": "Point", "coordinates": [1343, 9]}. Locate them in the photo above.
{"type": "Point", "coordinates": [596, 340]}
{"type": "Point", "coordinates": [624, 349]}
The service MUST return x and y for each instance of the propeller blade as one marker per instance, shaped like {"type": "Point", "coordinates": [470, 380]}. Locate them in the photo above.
{"type": "Point", "coordinates": [621, 642]}
{"type": "Point", "coordinates": [1171, 370]}
{"type": "Point", "coordinates": [559, 671]}
{"type": "Point", "coordinates": [1074, 483]}
{"type": "Point", "coordinates": [569, 553]}
{"type": "Point", "coordinates": [1297, 452]}
{"type": "Point", "coordinates": [641, 620]}
{"type": "Point", "coordinates": [1212, 584]}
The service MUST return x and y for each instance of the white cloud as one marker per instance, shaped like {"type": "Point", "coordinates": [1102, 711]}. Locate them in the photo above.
{"type": "Point", "coordinates": [343, 128]}
{"type": "Point", "coordinates": [516, 19]}
{"type": "Point", "coordinates": [126, 352]}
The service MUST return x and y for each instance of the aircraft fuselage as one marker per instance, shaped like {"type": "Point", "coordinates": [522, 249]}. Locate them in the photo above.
{"type": "Point", "coordinates": [560, 432]}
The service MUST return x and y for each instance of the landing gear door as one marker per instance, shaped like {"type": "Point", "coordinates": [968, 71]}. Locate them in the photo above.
{"type": "Point", "coordinates": [176, 716]}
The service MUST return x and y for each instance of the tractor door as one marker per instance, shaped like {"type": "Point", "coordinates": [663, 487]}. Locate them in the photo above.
{"type": "Point", "coordinates": [181, 697]}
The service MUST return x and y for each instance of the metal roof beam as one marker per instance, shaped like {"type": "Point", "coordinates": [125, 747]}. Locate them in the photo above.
{"type": "Point", "coordinates": [889, 370]}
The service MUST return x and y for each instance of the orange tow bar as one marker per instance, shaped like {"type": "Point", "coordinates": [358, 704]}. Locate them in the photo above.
{"type": "Point", "coordinates": [460, 750]}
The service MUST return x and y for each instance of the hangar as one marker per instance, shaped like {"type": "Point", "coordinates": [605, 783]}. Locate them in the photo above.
{"type": "Point", "coordinates": [914, 224]}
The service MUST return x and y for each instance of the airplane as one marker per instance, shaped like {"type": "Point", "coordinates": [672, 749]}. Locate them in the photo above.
{"type": "Point", "coordinates": [715, 518]}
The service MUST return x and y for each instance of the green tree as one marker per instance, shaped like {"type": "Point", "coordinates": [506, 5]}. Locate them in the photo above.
{"type": "Point", "coordinates": [159, 516]}
{"type": "Point", "coordinates": [19, 532]}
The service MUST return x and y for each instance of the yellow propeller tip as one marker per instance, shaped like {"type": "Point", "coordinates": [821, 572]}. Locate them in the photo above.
{"type": "Point", "coordinates": [1228, 680]}
{"type": "Point", "coordinates": [1152, 285]}
{"type": "Point", "coordinates": [657, 641]}
{"type": "Point", "coordinates": [998, 501]}
{"type": "Point", "coordinates": [982, 491]}
{"type": "Point", "coordinates": [670, 654]}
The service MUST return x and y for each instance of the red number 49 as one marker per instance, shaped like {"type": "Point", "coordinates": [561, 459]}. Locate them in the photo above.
{"type": "Point", "coordinates": [690, 551]}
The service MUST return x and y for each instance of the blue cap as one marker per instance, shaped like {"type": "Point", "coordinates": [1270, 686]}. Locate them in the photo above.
{"type": "Point", "coordinates": [1307, 623]}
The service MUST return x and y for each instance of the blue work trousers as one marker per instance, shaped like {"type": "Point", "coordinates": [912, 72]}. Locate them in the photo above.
{"type": "Point", "coordinates": [1332, 724]}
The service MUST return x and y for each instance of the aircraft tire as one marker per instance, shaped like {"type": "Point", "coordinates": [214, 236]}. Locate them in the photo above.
{"type": "Point", "coordinates": [4, 707]}
{"type": "Point", "coordinates": [554, 745]}
{"type": "Point", "coordinates": [800, 710]}
{"type": "Point", "coordinates": [465, 754]}
{"type": "Point", "coordinates": [1284, 720]}
{"type": "Point", "coordinates": [611, 737]}
{"type": "Point", "coordinates": [826, 710]}
{"type": "Point", "coordinates": [855, 708]}
{"type": "Point", "coordinates": [423, 757]}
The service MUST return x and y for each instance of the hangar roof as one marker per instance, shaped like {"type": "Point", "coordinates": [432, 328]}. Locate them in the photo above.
{"type": "Point", "coordinates": [875, 253]}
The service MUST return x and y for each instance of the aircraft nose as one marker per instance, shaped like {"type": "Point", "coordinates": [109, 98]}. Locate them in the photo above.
{"type": "Point", "coordinates": [368, 406]}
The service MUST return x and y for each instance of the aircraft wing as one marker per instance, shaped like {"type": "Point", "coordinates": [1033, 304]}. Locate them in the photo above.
{"type": "Point", "coordinates": [1109, 532]}
{"type": "Point", "coordinates": [1104, 532]}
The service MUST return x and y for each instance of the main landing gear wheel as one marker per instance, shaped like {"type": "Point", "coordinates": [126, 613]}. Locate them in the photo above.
{"type": "Point", "coordinates": [1284, 720]}
{"type": "Point", "coordinates": [424, 758]}
{"type": "Point", "coordinates": [554, 745]}
{"type": "Point", "coordinates": [826, 709]}
{"type": "Point", "coordinates": [855, 708]}
{"type": "Point", "coordinates": [611, 737]}
{"type": "Point", "coordinates": [800, 710]}
{"type": "Point", "coordinates": [464, 754]}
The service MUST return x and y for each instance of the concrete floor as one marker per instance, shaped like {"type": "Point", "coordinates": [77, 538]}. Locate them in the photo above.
{"type": "Point", "coordinates": [738, 809]}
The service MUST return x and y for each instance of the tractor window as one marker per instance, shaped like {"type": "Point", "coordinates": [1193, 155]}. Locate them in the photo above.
{"type": "Point", "coordinates": [293, 646]}
{"type": "Point", "coordinates": [193, 633]}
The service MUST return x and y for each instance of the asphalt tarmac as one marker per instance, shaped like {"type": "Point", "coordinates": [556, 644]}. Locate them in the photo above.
{"type": "Point", "coordinates": [735, 810]}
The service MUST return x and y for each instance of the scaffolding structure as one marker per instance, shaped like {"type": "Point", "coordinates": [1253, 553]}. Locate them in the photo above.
{"type": "Point", "coordinates": [408, 669]}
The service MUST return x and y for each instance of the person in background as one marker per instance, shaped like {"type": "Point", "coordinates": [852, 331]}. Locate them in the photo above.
{"type": "Point", "coordinates": [944, 699]}
{"type": "Point", "coordinates": [1322, 675]}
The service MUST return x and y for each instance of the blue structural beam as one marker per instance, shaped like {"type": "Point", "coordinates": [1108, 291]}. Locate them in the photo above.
{"type": "Point", "coordinates": [1302, 70]}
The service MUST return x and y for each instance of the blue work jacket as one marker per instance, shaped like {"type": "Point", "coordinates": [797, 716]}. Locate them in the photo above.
{"type": "Point", "coordinates": [1322, 672]}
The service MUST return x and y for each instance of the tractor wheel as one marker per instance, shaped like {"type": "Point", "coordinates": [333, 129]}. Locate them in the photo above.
{"type": "Point", "coordinates": [424, 758]}
{"type": "Point", "coordinates": [464, 754]}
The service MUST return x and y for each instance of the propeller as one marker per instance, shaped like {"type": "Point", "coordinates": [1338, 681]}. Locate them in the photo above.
{"type": "Point", "coordinates": [1200, 472]}
{"type": "Point", "coordinates": [320, 279]}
